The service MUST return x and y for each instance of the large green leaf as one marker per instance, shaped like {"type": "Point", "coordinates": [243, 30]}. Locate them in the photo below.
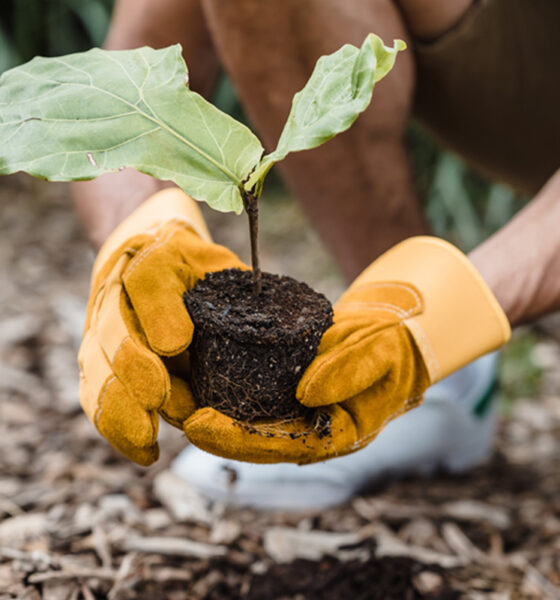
{"type": "Point", "coordinates": [339, 89]}
{"type": "Point", "coordinates": [81, 115]}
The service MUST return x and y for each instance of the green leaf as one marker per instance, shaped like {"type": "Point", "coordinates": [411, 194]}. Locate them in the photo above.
{"type": "Point", "coordinates": [339, 89]}
{"type": "Point", "coordinates": [78, 116]}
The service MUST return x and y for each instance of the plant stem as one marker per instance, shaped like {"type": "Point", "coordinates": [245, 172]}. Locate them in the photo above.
{"type": "Point", "coordinates": [251, 208]}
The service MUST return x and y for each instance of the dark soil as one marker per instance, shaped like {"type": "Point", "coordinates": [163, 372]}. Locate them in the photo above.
{"type": "Point", "coordinates": [249, 352]}
{"type": "Point", "coordinates": [388, 578]}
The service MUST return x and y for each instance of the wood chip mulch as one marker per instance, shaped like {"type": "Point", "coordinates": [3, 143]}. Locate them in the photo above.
{"type": "Point", "coordinates": [79, 522]}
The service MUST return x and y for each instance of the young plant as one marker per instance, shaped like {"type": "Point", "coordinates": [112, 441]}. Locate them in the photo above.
{"type": "Point", "coordinates": [78, 116]}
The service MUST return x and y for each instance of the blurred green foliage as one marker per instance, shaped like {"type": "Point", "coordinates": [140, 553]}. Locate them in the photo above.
{"type": "Point", "coordinates": [50, 27]}
{"type": "Point", "coordinates": [461, 205]}
{"type": "Point", "coordinates": [519, 375]}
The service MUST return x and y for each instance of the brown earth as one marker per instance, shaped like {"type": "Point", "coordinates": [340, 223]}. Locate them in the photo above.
{"type": "Point", "coordinates": [249, 351]}
{"type": "Point", "coordinates": [79, 521]}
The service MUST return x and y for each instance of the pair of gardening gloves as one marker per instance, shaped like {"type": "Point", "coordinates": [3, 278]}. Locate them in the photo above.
{"type": "Point", "coordinates": [415, 315]}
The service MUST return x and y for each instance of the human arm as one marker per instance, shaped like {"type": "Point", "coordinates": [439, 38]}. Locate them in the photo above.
{"type": "Point", "coordinates": [521, 262]}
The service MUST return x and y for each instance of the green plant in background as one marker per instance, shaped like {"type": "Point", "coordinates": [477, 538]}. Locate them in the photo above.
{"type": "Point", "coordinates": [461, 205]}
{"type": "Point", "coordinates": [50, 27]}
{"type": "Point", "coordinates": [520, 375]}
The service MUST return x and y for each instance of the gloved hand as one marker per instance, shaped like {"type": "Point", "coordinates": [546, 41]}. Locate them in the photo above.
{"type": "Point", "coordinates": [136, 316]}
{"type": "Point", "coordinates": [415, 315]}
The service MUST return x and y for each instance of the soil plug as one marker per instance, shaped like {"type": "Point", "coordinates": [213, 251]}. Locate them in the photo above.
{"type": "Point", "coordinates": [249, 352]}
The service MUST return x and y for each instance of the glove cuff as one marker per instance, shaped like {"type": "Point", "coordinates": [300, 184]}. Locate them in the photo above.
{"type": "Point", "coordinates": [461, 320]}
{"type": "Point", "coordinates": [170, 204]}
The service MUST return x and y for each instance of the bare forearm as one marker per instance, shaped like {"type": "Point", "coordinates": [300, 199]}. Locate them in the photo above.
{"type": "Point", "coordinates": [521, 262]}
{"type": "Point", "coordinates": [104, 202]}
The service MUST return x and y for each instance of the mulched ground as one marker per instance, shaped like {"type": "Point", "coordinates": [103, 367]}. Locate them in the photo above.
{"type": "Point", "coordinates": [78, 521]}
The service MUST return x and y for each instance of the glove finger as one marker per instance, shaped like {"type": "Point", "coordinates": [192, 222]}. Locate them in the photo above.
{"type": "Point", "coordinates": [207, 257]}
{"type": "Point", "coordinates": [140, 370]}
{"type": "Point", "coordinates": [180, 404]}
{"type": "Point", "coordinates": [298, 441]}
{"type": "Point", "coordinates": [157, 278]}
{"type": "Point", "coordinates": [155, 281]}
{"type": "Point", "coordinates": [371, 306]}
{"type": "Point", "coordinates": [115, 333]}
{"type": "Point", "coordinates": [95, 371]}
{"type": "Point", "coordinates": [110, 408]}
{"type": "Point", "coordinates": [179, 365]}
{"type": "Point", "coordinates": [144, 456]}
{"type": "Point", "coordinates": [351, 366]}
{"type": "Point", "coordinates": [95, 360]}
{"type": "Point", "coordinates": [390, 396]}
{"type": "Point", "coordinates": [350, 324]}
{"type": "Point", "coordinates": [389, 301]}
{"type": "Point", "coordinates": [119, 413]}
{"type": "Point", "coordinates": [375, 408]}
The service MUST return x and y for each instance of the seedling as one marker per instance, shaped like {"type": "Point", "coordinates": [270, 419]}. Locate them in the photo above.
{"type": "Point", "coordinates": [78, 116]}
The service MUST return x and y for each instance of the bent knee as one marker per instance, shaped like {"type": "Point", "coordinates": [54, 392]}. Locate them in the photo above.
{"type": "Point", "coordinates": [428, 19]}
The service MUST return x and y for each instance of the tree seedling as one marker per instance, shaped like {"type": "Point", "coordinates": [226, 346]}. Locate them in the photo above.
{"type": "Point", "coordinates": [78, 116]}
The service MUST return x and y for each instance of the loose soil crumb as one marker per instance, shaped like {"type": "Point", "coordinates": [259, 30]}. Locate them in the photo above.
{"type": "Point", "coordinates": [249, 352]}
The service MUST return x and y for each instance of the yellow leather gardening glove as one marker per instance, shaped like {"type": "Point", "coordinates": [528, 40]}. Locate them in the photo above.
{"type": "Point", "coordinates": [415, 315]}
{"type": "Point", "coordinates": [136, 316]}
